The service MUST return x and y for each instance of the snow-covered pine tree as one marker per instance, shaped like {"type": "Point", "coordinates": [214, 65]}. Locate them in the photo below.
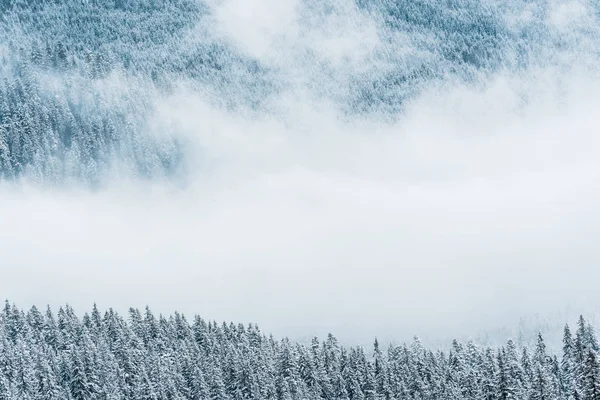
{"type": "Point", "coordinates": [590, 377]}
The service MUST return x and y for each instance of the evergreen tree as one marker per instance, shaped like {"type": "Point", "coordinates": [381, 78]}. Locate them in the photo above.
{"type": "Point", "coordinates": [544, 384]}
{"type": "Point", "coordinates": [568, 364]}
{"type": "Point", "coordinates": [590, 377]}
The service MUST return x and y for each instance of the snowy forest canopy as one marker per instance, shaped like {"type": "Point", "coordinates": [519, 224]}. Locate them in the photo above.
{"type": "Point", "coordinates": [78, 79]}
{"type": "Point", "coordinates": [44, 355]}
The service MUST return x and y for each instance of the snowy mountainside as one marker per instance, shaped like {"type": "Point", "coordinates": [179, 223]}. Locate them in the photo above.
{"type": "Point", "coordinates": [82, 79]}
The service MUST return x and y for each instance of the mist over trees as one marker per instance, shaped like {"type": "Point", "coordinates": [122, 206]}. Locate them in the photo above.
{"type": "Point", "coordinates": [46, 355]}
{"type": "Point", "coordinates": [78, 78]}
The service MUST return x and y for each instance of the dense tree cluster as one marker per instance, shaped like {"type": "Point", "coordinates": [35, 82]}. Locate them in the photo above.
{"type": "Point", "coordinates": [78, 81]}
{"type": "Point", "coordinates": [78, 78]}
{"type": "Point", "coordinates": [105, 356]}
{"type": "Point", "coordinates": [74, 137]}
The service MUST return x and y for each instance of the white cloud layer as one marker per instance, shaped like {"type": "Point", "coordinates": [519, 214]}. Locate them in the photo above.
{"type": "Point", "coordinates": [478, 207]}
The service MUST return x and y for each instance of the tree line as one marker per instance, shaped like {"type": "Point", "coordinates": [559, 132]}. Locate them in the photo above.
{"type": "Point", "coordinates": [46, 355]}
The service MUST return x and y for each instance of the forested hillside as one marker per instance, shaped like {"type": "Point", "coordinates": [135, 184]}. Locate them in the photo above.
{"type": "Point", "coordinates": [79, 79]}
{"type": "Point", "coordinates": [44, 355]}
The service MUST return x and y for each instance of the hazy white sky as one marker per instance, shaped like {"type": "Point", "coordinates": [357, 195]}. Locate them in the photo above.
{"type": "Point", "coordinates": [478, 207]}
